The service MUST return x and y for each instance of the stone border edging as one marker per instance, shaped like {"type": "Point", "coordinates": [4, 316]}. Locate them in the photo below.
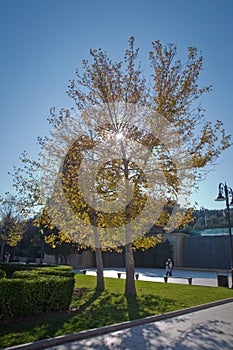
{"type": "Point", "coordinates": [46, 343]}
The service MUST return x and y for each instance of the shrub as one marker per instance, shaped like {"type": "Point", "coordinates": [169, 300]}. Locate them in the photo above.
{"type": "Point", "coordinates": [2, 274]}
{"type": "Point", "coordinates": [35, 291]}
{"type": "Point", "coordinates": [65, 271]}
{"type": "Point", "coordinates": [25, 297]}
{"type": "Point", "coordinates": [10, 268]}
{"type": "Point", "coordinates": [49, 271]}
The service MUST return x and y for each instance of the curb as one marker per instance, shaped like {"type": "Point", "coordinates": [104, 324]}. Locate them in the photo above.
{"type": "Point", "coordinates": [46, 343]}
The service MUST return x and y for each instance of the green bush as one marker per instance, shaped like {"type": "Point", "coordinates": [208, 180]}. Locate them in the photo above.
{"type": "Point", "coordinates": [34, 290]}
{"type": "Point", "coordinates": [2, 274]}
{"type": "Point", "coordinates": [30, 274]}
{"type": "Point", "coordinates": [48, 271]}
{"type": "Point", "coordinates": [10, 268]}
{"type": "Point", "coordinates": [33, 296]}
{"type": "Point", "coordinates": [65, 271]}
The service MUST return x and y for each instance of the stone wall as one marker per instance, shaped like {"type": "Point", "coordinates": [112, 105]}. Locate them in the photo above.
{"type": "Point", "coordinates": [211, 252]}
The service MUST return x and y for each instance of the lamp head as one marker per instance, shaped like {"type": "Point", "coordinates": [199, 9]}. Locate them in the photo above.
{"type": "Point", "coordinates": [220, 198]}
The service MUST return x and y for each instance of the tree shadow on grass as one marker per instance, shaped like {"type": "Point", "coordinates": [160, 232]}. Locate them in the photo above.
{"type": "Point", "coordinates": [133, 307]}
{"type": "Point", "coordinates": [94, 309]}
{"type": "Point", "coordinates": [91, 300]}
{"type": "Point", "coordinates": [148, 305]}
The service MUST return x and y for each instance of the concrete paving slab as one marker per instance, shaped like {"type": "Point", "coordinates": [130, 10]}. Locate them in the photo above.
{"type": "Point", "coordinates": [209, 329]}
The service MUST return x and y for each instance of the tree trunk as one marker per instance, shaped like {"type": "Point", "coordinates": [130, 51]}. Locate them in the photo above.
{"type": "Point", "coordinates": [130, 287]}
{"type": "Point", "coordinates": [98, 258]}
{"type": "Point", "coordinates": [100, 269]}
{"type": "Point", "coordinates": [2, 250]}
{"type": "Point", "coordinates": [56, 259]}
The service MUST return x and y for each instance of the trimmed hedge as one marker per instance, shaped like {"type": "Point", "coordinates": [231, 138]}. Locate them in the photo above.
{"type": "Point", "coordinates": [45, 271]}
{"type": "Point", "coordinates": [27, 297]}
{"type": "Point", "coordinates": [10, 268]}
{"type": "Point", "coordinates": [33, 291]}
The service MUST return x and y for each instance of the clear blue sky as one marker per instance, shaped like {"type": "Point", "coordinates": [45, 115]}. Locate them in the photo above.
{"type": "Point", "coordinates": [43, 41]}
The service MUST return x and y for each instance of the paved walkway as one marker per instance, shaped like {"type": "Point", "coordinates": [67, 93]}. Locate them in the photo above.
{"type": "Point", "coordinates": [203, 278]}
{"type": "Point", "coordinates": [209, 329]}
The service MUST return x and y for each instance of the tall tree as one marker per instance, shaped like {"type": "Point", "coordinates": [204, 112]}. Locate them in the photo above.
{"type": "Point", "coordinates": [146, 139]}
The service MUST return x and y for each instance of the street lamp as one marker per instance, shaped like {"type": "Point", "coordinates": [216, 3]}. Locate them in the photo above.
{"type": "Point", "coordinates": [224, 194]}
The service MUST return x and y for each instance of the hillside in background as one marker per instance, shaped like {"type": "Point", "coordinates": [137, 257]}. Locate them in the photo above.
{"type": "Point", "coordinates": [208, 219]}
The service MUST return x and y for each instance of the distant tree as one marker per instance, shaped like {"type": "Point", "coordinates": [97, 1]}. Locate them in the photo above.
{"type": "Point", "coordinates": [29, 246]}
{"type": "Point", "coordinates": [60, 249]}
{"type": "Point", "coordinates": [12, 226]}
{"type": "Point", "coordinates": [163, 251]}
{"type": "Point", "coordinates": [211, 218]}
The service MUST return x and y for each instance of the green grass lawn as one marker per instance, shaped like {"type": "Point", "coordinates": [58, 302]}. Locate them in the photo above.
{"type": "Point", "coordinates": [91, 309]}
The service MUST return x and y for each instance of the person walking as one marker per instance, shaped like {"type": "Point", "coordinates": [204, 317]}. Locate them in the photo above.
{"type": "Point", "coordinates": [169, 267]}
{"type": "Point", "coordinates": [7, 257]}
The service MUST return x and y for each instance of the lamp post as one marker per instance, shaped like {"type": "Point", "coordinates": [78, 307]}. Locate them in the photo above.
{"type": "Point", "coordinates": [225, 193]}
